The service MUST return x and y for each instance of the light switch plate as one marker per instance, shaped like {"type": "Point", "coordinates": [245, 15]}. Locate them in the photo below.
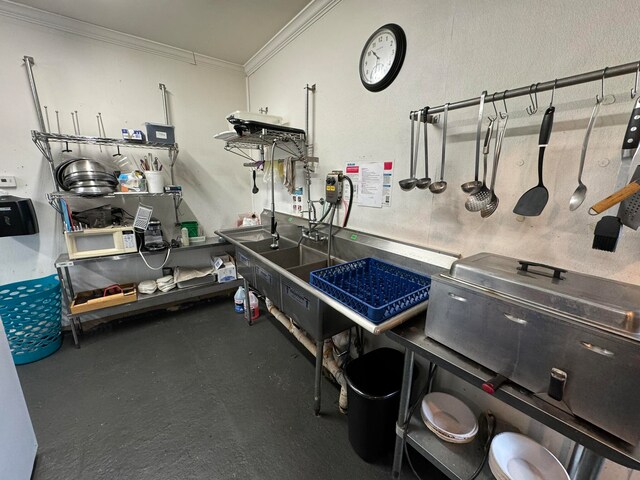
{"type": "Point", "coordinates": [8, 182]}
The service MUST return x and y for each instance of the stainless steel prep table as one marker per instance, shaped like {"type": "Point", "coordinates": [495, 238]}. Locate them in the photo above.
{"type": "Point", "coordinates": [459, 461]}
{"type": "Point", "coordinates": [145, 302]}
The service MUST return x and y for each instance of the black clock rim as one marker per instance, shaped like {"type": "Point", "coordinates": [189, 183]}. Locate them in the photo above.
{"type": "Point", "coordinates": [401, 43]}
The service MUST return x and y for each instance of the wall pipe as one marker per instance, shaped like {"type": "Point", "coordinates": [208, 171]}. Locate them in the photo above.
{"type": "Point", "coordinates": [596, 75]}
{"type": "Point", "coordinates": [28, 61]}
{"type": "Point", "coordinates": [327, 355]}
{"type": "Point", "coordinates": [165, 103]}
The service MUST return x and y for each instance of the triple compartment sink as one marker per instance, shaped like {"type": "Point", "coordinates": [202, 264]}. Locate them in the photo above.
{"type": "Point", "coordinates": [278, 275]}
{"type": "Point", "coordinates": [283, 275]}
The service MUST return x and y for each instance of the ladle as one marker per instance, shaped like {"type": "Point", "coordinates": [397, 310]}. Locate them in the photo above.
{"type": "Point", "coordinates": [425, 181]}
{"type": "Point", "coordinates": [477, 201]}
{"type": "Point", "coordinates": [410, 183]}
{"type": "Point", "coordinates": [440, 186]}
{"type": "Point", "coordinates": [581, 191]}
{"type": "Point", "coordinates": [491, 207]}
{"type": "Point", "coordinates": [255, 188]}
{"type": "Point", "coordinates": [475, 185]}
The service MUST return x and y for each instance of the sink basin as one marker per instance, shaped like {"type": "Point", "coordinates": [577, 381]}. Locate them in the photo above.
{"type": "Point", "coordinates": [243, 235]}
{"type": "Point", "coordinates": [264, 246]}
{"type": "Point", "coordinates": [303, 272]}
{"type": "Point", "coordinates": [294, 256]}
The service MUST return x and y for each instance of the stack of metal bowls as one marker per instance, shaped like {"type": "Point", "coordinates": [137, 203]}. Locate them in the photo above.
{"type": "Point", "coordinates": [86, 177]}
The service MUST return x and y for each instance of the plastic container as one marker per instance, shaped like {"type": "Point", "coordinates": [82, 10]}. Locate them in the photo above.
{"type": "Point", "coordinates": [30, 312]}
{"type": "Point", "coordinates": [155, 181]}
{"type": "Point", "coordinates": [254, 308]}
{"type": "Point", "coordinates": [375, 289]}
{"type": "Point", "coordinates": [184, 236]}
{"type": "Point", "coordinates": [192, 228]}
{"type": "Point", "coordinates": [238, 300]}
{"type": "Point", "coordinates": [160, 133]}
{"type": "Point", "coordinates": [374, 381]}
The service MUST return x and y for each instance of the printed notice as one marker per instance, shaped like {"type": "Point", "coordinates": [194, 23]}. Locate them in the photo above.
{"type": "Point", "coordinates": [371, 178]}
{"type": "Point", "coordinates": [379, 178]}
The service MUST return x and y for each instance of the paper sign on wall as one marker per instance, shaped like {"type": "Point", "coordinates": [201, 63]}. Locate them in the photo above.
{"type": "Point", "coordinates": [372, 183]}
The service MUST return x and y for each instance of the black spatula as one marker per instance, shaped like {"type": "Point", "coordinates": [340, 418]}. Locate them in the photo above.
{"type": "Point", "coordinates": [534, 200]}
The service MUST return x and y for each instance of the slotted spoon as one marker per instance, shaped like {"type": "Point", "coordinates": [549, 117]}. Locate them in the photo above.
{"type": "Point", "coordinates": [477, 201]}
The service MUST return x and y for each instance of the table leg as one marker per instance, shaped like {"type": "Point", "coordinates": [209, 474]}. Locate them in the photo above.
{"type": "Point", "coordinates": [403, 413]}
{"type": "Point", "coordinates": [67, 294]}
{"type": "Point", "coordinates": [316, 393]}
{"type": "Point", "coordinates": [584, 464]}
{"type": "Point", "coordinates": [247, 305]}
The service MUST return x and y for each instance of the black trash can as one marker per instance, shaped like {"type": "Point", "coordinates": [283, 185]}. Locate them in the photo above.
{"type": "Point", "coordinates": [374, 381]}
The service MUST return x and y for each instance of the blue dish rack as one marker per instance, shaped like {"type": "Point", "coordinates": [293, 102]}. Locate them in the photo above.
{"type": "Point", "coordinates": [375, 289]}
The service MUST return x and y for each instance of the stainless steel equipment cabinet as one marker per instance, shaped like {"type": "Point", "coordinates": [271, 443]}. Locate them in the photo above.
{"type": "Point", "coordinates": [129, 272]}
{"type": "Point", "coordinates": [459, 461]}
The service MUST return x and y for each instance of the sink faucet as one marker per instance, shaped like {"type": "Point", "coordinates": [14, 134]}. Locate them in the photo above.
{"type": "Point", "coordinates": [311, 231]}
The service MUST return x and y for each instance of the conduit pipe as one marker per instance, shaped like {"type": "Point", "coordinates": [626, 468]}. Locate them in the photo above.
{"type": "Point", "coordinates": [327, 355]}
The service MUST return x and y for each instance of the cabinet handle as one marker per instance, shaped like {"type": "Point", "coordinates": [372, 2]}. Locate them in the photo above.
{"type": "Point", "coordinates": [519, 321]}
{"type": "Point", "coordinates": [597, 349]}
{"type": "Point", "coordinates": [457, 297]}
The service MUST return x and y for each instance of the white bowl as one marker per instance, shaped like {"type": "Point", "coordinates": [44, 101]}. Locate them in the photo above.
{"type": "Point", "coordinates": [147, 286]}
{"type": "Point", "coordinates": [495, 469]}
{"type": "Point", "coordinates": [520, 458]}
{"type": "Point", "coordinates": [444, 414]}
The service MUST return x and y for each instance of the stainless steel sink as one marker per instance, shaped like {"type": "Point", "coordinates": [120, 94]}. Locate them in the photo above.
{"type": "Point", "coordinates": [283, 274]}
{"type": "Point", "coordinates": [250, 234]}
{"type": "Point", "coordinates": [294, 256]}
{"type": "Point", "coordinates": [264, 246]}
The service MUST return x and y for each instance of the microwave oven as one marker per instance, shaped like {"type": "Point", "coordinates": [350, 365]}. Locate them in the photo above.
{"type": "Point", "coordinates": [99, 242]}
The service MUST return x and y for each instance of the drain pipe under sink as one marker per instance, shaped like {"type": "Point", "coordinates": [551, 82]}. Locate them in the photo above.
{"type": "Point", "coordinates": [327, 355]}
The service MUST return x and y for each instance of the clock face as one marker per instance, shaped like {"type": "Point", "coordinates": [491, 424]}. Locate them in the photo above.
{"type": "Point", "coordinates": [382, 57]}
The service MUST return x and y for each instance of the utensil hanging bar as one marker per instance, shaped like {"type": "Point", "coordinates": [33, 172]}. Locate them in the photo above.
{"type": "Point", "coordinates": [594, 76]}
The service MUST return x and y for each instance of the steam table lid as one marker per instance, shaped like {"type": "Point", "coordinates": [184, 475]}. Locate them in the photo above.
{"type": "Point", "coordinates": [604, 303]}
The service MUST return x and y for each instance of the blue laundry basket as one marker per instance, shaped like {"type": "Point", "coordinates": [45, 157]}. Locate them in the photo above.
{"type": "Point", "coordinates": [30, 312]}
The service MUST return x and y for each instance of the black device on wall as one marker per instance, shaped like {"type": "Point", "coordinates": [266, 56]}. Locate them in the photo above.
{"type": "Point", "coordinates": [17, 217]}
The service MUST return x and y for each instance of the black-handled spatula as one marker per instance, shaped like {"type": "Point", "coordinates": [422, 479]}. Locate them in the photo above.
{"type": "Point", "coordinates": [533, 201]}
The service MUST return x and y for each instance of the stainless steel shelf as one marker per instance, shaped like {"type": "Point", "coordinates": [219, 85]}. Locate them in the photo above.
{"type": "Point", "coordinates": [88, 140]}
{"type": "Point", "coordinates": [64, 261]}
{"type": "Point", "coordinates": [64, 267]}
{"type": "Point", "coordinates": [156, 299]}
{"type": "Point", "coordinates": [411, 336]}
{"type": "Point", "coordinates": [56, 195]}
{"type": "Point", "coordinates": [456, 461]}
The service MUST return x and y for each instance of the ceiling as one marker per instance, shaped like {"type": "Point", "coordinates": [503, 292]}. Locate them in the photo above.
{"type": "Point", "coordinates": [230, 30]}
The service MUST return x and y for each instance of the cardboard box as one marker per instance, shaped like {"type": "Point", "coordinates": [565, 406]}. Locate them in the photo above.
{"type": "Point", "coordinates": [78, 305]}
{"type": "Point", "coordinates": [218, 262]}
{"type": "Point", "coordinates": [226, 273]}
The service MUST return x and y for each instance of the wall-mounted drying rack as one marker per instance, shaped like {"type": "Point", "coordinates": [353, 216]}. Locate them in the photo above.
{"type": "Point", "coordinates": [535, 88]}
{"type": "Point", "coordinates": [252, 135]}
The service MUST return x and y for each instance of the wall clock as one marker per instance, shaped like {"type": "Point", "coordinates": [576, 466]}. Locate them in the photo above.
{"type": "Point", "coordinates": [382, 57]}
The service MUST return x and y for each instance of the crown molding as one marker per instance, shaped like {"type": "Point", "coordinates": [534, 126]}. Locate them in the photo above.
{"type": "Point", "coordinates": [207, 61]}
{"type": "Point", "coordinates": [64, 24]}
{"type": "Point", "coordinates": [315, 10]}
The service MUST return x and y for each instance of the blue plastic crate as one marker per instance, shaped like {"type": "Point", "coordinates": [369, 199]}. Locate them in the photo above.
{"type": "Point", "coordinates": [30, 312]}
{"type": "Point", "coordinates": [375, 289]}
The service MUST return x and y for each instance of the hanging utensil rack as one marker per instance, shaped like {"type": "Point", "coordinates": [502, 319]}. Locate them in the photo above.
{"type": "Point", "coordinates": [535, 88]}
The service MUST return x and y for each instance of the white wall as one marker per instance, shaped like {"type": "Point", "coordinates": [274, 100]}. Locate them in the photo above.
{"type": "Point", "coordinates": [74, 72]}
{"type": "Point", "coordinates": [456, 49]}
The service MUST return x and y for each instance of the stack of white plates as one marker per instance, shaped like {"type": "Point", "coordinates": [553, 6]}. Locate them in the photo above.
{"type": "Point", "coordinates": [513, 456]}
{"type": "Point", "coordinates": [148, 286]}
{"type": "Point", "coordinates": [166, 283]}
{"type": "Point", "coordinates": [448, 418]}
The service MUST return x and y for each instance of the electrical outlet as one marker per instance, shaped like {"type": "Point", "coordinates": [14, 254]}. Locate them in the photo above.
{"type": "Point", "coordinates": [8, 182]}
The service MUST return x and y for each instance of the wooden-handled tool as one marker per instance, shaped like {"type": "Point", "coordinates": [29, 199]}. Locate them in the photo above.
{"type": "Point", "coordinates": [615, 198]}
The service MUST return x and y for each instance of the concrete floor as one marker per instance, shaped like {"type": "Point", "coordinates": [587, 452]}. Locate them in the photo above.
{"type": "Point", "coordinates": [193, 394]}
